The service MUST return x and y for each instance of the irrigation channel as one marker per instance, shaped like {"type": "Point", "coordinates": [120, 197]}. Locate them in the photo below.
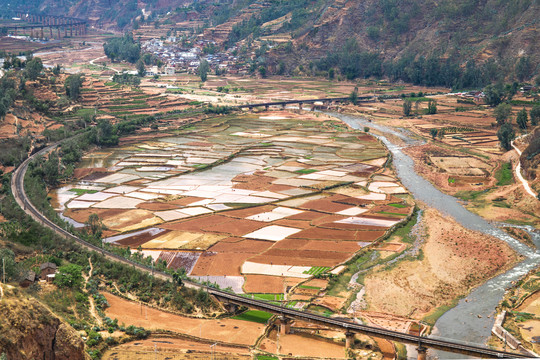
{"type": "Point", "coordinates": [470, 321]}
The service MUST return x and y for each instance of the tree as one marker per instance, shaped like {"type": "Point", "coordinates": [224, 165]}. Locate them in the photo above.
{"type": "Point", "coordinates": [9, 264]}
{"type": "Point", "coordinates": [535, 115]}
{"type": "Point", "coordinates": [502, 113]}
{"type": "Point", "coordinates": [506, 134]}
{"type": "Point", "coordinates": [73, 86]}
{"type": "Point", "coordinates": [522, 119]}
{"type": "Point", "coordinates": [407, 107]}
{"type": "Point", "coordinates": [95, 225]}
{"type": "Point", "coordinates": [141, 70]}
{"type": "Point", "coordinates": [203, 69]}
{"type": "Point", "coordinates": [524, 68]}
{"type": "Point", "coordinates": [432, 107]}
{"type": "Point", "coordinates": [69, 276]}
{"type": "Point", "coordinates": [493, 95]}
{"type": "Point", "coordinates": [124, 48]}
{"type": "Point", "coordinates": [262, 71]}
{"type": "Point", "coordinates": [353, 96]}
{"type": "Point", "coordinates": [433, 133]}
{"type": "Point", "coordinates": [33, 68]}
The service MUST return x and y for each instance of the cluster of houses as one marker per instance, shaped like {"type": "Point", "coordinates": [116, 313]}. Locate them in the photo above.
{"type": "Point", "coordinates": [47, 272]}
{"type": "Point", "coordinates": [179, 59]}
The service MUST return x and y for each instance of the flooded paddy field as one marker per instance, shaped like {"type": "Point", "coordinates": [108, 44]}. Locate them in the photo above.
{"type": "Point", "coordinates": [239, 198]}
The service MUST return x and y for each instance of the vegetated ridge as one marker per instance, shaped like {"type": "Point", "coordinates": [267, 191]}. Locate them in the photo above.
{"type": "Point", "coordinates": [418, 41]}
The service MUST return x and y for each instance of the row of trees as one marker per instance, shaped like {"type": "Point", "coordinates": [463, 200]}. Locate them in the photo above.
{"type": "Point", "coordinates": [352, 63]}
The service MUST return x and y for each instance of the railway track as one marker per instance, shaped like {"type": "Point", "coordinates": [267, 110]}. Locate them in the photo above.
{"type": "Point", "coordinates": [17, 187]}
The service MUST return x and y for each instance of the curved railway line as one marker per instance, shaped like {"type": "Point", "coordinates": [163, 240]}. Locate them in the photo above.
{"type": "Point", "coordinates": [17, 187]}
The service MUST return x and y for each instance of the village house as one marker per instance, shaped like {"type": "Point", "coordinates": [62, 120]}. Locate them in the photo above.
{"type": "Point", "coordinates": [47, 268]}
{"type": "Point", "coordinates": [28, 280]}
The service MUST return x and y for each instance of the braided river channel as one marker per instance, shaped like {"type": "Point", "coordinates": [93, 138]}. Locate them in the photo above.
{"type": "Point", "coordinates": [470, 321]}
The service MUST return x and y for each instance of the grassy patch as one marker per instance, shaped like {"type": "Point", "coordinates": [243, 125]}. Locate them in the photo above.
{"type": "Point", "coordinates": [405, 231]}
{"type": "Point", "coordinates": [306, 171]}
{"type": "Point", "coordinates": [80, 192]}
{"type": "Point", "coordinates": [431, 318]}
{"type": "Point", "coordinates": [316, 270]}
{"type": "Point", "coordinates": [504, 175]}
{"type": "Point", "coordinates": [399, 206]}
{"type": "Point", "coordinates": [309, 287]}
{"type": "Point", "coordinates": [391, 213]}
{"type": "Point", "coordinates": [266, 297]}
{"type": "Point", "coordinates": [470, 195]}
{"type": "Point", "coordinates": [83, 112]}
{"type": "Point", "coordinates": [266, 357]}
{"type": "Point", "coordinates": [257, 316]}
{"type": "Point", "coordinates": [321, 310]}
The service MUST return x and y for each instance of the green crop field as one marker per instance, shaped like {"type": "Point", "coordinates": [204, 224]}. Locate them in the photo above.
{"type": "Point", "coordinates": [257, 316]}
{"type": "Point", "coordinates": [316, 270]}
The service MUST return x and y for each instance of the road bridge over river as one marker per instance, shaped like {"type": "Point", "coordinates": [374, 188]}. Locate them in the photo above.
{"type": "Point", "coordinates": [301, 103]}
{"type": "Point", "coordinates": [284, 314]}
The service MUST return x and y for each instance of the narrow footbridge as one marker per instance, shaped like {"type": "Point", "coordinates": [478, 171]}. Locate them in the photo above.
{"type": "Point", "coordinates": [284, 314]}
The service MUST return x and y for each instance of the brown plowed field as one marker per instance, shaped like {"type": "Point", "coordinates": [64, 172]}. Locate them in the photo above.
{"type": "Point", "coordinates": [196, 224]}
{"type": "Point", "coordinates": [237, 227]}
{"type": "Point", "coordinates": [157, 206]}
{"type": "Point", "coordinates": [237, 245]}
{"type": "Point", "coordinates": [325, 205]}
{"type": "Point", "coordinates": [344, 226]}
{"type": "Point", "coordinates": [266, 284]}
{"type": "Point", "coordinates": [83, 172]}
{"type": "Point", "coordinates": [253, 182]}
{"type": "Point", "coordinates": [301, 257]}
{"type": "Point", "coordinates": [299, 224]}
{"type": "Point", "coordinates": [174, 349]}
{"type": "Point", "coordinates": [186, 260]}
{"type": "Point", "coordinates": [333, 234]}
{"type": "Point", "coordinates": [327, 219]}
{"type": "Point", "coordinates": [307, 216]}
{"type": "Point", "coordinates": [307, 347]}
{"type": "Point", "coordinates": [185, 200]}
{"type": "Point", "coordinates": [243, 213]}
{"type": "Point", "coordinates": [219, 264]}
{"type": "Point", "coordinates": [226, 330]}
{"type": "Point", "coordinates": [324, 245]}
{"type": "Point", "coordinates": [137, 240]}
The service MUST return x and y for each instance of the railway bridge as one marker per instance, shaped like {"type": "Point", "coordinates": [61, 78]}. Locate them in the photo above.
{"type": "Point", "coordinates": [41, 26]}
{"type": "Point", "coordinates": [285, 315]}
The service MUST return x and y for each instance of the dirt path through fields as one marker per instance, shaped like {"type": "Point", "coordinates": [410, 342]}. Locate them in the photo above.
{"type": "Point", "coordinates": [93, 310]}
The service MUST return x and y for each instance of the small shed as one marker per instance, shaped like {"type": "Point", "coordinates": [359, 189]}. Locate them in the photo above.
{"type": "Point", "coordinates": [29, 279]}
{"type": "Point", "coordinates": [50, 278]}
{"type": "Point", "coordinates": [47, 269]}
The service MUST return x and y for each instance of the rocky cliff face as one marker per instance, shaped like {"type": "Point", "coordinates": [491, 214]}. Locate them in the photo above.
{"type": "Point", "coordinates": [28, 330]}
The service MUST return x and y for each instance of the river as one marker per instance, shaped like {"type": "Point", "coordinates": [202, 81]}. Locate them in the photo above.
{"type": "Point", "coordinates": [472, 319]}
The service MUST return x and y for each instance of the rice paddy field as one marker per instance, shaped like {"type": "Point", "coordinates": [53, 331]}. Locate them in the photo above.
{"type": "Point", "coordinates": [255, 204]}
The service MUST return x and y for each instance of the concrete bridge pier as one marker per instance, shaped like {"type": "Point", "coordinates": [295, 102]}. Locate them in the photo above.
{"type": "Point", "coordinates": [266, 107]}
{"type": "Point", "coordinates": [283, 106]}
{"type": "Point", "coordinates": [284, 325]}
{"type": "Point", "coordinates": [250, 108]}
{"type": "Point", "coordinates": [231, 308]}
{"type": "Point", "coordinates": [422, 352]}
{"type": "Point", "coordinates": [300, 105]}
{"type": "Point", "coordinates": [349, 340]}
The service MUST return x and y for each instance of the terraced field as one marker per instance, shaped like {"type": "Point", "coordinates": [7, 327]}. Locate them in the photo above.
{"type": "Point", "coordinates": [255, 204]}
